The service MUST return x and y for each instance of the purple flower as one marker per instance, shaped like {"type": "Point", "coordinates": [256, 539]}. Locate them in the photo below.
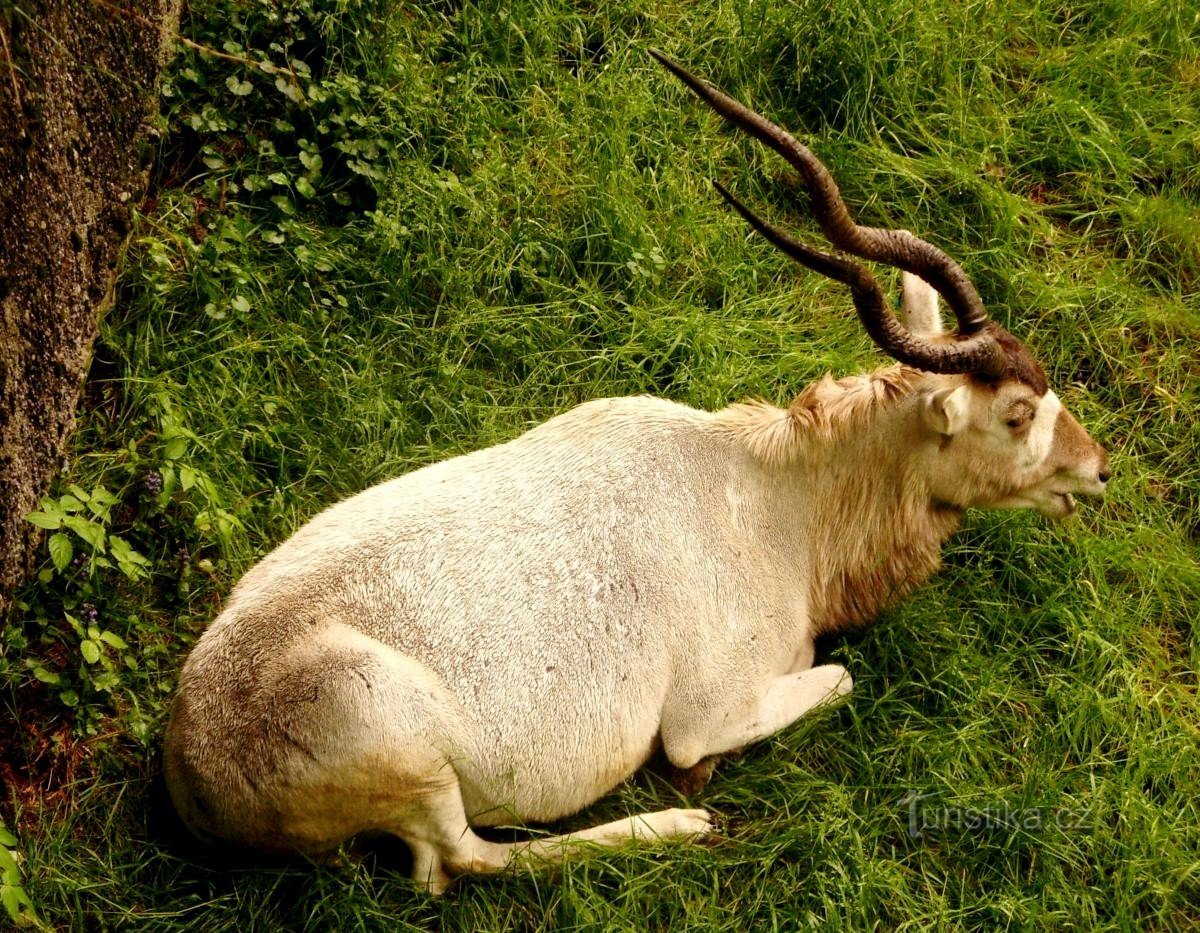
{"type": "Point", "coordinates": [152, 482]}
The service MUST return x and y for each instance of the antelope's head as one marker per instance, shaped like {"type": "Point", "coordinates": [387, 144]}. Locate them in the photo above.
{"type": "Point", "coordinates": [991, 433]}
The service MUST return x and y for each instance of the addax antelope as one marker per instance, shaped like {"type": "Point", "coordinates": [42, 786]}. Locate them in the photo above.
{"type": "Point", "coordinates": [506, 636]}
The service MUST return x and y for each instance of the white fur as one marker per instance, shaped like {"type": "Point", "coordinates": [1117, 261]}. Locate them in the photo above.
{"type": "Point", "coordinates": [785, 700]}
{"type": "Point", "coordinates": [506, 636]}
{"type": "Point", "coordinates": [1041, 432]}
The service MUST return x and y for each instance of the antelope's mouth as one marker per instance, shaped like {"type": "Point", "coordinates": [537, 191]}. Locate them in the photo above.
{"type": "Point", "coordinates": [1066, 503]}
{"type": "Point", "coordinates": [1054, 504]}
{"type": "Point", "coordinates": [1062, 504]}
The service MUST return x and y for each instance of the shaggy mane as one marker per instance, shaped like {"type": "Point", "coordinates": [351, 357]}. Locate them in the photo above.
{"type": "Point", "coordinates": [825, 410]}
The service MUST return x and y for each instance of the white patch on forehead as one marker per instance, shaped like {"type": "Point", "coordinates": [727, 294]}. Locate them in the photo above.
{"type": "Point", "coordinates": [1041, 431]}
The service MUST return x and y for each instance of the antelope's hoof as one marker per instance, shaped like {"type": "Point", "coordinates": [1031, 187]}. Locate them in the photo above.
{"type": "Point", "coordinates": [690, 781]}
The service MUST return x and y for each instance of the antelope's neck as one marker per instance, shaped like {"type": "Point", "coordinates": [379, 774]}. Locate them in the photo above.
{"type": "Point", "coordinates": [859, 517]}
{"type": "Point", "coordinates": [880, 533]}
{"type": "Point", "coordinates": [876, 536]}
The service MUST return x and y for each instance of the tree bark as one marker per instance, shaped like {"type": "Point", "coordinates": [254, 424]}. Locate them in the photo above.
{"type": "Point", "coordinates": [79, 84]}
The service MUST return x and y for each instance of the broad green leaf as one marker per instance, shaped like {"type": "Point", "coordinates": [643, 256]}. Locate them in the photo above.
{"type": "Point", "coordinates": [90, 650]}
{"type": "Point", "coordinates": [238, 87]}
{"type": "Point", "coordinates": [114, 640]}
{"type": "Point", "coordinates": [46, 676]}
{"type": "Point", "coordinates": [132, 571]}
{"type": "Point", "coordinates": [17, 904]}
{"type": "Point", "coordinates": [284, 203]}
{"type": "Point", "coordinates": [120, 549]}
{"type": "Point", "coordinates": [101, 502]}
{"type": "Point", "coordinates": [8, 867]}
{"type": "Point", "coordinates": [288, 88]}
{"type": "Point", "coordinates": [311, 161]}
{"type": "Point", "coordinates": [89, 531]}
{"type": "Point", "coordinates": [70, 503]}
{"type": "Point", "coordinates": [170, 480]}
{"type": "Point", "coordinates": [44, 520]}
{"type": "Point", "coordinates": [108, 681]}
{"type": "Point", "coordinates": [61, 550]}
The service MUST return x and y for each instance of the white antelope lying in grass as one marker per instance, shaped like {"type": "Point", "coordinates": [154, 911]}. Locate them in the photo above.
{"type": "Point", "coordinates": [506, 636]}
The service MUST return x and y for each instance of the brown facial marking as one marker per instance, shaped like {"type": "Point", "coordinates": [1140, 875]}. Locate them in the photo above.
{"type": "Point", "coordinates": [1020, 364]}
{"type": "Point", "coordinates": [1072, 444]}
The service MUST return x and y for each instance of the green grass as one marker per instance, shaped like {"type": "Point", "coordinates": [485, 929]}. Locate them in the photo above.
{"type": "Point", "coordinates": [512, 214]}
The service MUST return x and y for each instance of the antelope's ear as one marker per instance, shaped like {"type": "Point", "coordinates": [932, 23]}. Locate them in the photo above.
{"type": "Point", "coordinates": [946, 411]}
{"type": "Point", "coordinates": [919, 306]}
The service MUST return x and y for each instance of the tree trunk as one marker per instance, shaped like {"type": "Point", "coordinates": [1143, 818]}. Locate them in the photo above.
{"type": "Point", "coordinates": [78, 88]}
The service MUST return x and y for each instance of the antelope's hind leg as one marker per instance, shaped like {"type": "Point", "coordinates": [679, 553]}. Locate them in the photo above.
{"type": "Point", "coordinates": [444, 846]}
{"type": "Point", "coordinates": [370, 738]}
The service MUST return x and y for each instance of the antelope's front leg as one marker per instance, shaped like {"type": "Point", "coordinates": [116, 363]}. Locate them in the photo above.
{"type": "Point", "coordinates": [783, 701]}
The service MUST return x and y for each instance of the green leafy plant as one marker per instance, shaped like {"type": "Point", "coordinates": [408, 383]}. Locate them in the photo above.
{"type": "Point", "coordinates": [76, 639]}
{"type": "Point", "coordinates": [86, 515]}
{"type": "Point", "coordinates": [17, 903]}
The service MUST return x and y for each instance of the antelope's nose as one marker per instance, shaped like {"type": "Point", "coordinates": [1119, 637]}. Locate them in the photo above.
{"type": "Point", "coordinates": [1104, 474]}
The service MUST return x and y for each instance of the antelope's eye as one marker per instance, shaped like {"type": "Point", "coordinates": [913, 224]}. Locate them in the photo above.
{"type": "Point", "coordinates": [1019, 416]}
